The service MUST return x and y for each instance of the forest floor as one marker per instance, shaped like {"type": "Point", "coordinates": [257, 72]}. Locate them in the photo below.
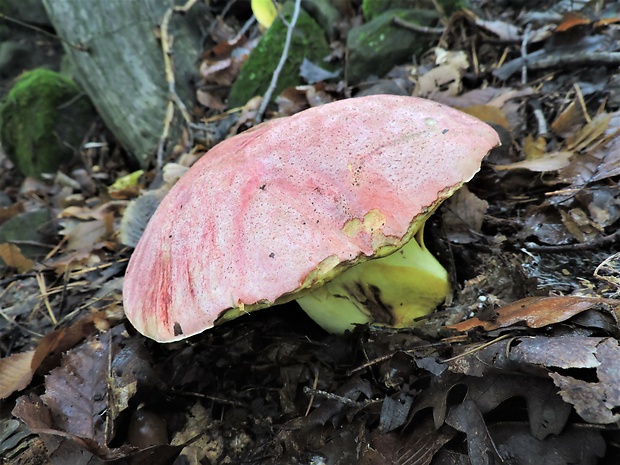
{"type": "Point", "coordinates": [520, 366]}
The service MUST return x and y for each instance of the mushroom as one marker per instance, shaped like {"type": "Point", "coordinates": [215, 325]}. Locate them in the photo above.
{"type": "Point", "coordinates": [326, 206]}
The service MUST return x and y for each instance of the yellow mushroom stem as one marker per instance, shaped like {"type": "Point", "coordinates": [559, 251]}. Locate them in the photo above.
{"type": "Point", "coordinates": [392, 291]}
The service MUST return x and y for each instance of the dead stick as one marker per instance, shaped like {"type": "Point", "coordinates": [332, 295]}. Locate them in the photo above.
{"type": "Point", "coordinates": [417, 28]}
{"type": "Point", "coordinates": [278, 70]}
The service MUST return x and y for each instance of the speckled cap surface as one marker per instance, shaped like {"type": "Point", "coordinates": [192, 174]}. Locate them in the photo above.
{"type": "Point", "coordinates": [293, 202]}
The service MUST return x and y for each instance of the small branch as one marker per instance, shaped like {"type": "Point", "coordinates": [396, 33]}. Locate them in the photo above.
{"type": "Point", "coordinates": [278, 70]}
{"type": "Point", "coordinates": [524, 43]}
{"type": "Point", "coordinates": [541, 59]}
{"type": "Point", "coordinates": [417, 28]}
{"type": "Point", "coordinates": [543, 128]}
{"type": "Point", "coordinates": [174, 99]}
{"type": "Point", "coordinates": [593, 244]}
{"type": "Point", "coordinates": [341, 399]}
{"type": "Point", "coordinates": [80, 47]}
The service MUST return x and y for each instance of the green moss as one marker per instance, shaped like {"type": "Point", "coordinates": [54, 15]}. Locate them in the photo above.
{"type": "Point", "coordinates": [373, 8]}
{"type": "Point", "coordinates": [308, 42]}
{"type": "Point", "coordinates": [43, 121]}
{"type": "Point", "coordinates": [377, 46]}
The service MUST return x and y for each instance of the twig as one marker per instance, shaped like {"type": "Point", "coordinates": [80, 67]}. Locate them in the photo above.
{"type": "Point", "coordinates": [278, 70]}
{"type": "Point", "coordinates": [80, 47]}
{"type": "Point", "coordinates": [220, 400]}
{"type": "Point", "coordinates": [478, 348]}
{"type": "Point", "coordinates": [594, 244]}
{"type": "Point", "coordinates": [582, 103]}
{"type": "Point", "coordinates": [280, 14]}
{"type": "Point", "coordinates": [315, 383]}
{"type": "Point", "coordinates": [543, 128]}
{"type": "Point", "coordinates": [541, 59]}
{"type": "Point", "coordinates": [175, 100]}
{"type": "Point", "coordinates": [371, 363]}
{"type": "Point", "coordinates": [46, 300]}
{"type": "Point", "coordinates": [526, 36]}
{"type": "Point", "coordinates": [343, 400]}
{"type": "Point", "coordinates": [417, 28]}
{"type": "Point", "coordinates": [605, 266]}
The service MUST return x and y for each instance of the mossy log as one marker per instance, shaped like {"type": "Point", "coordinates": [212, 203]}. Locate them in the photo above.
{"type": "Point", "coordinates": [122, 68]}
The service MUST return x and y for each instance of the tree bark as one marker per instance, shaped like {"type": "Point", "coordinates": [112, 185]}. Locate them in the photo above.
{"type": "Point", "coordinates": [122, 67]}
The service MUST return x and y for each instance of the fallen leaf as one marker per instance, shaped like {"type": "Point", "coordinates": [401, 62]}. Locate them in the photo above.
{"type": "Point", "coordinates": [13, 257]}
{"type": "Point", "coordinates": [86, 236]}
{"type": "Point", "coordinates": [488, 114]}
{"type": "Point", "coordinates": [596, 402]}
{"type": "Point", "coordinates": [546, 225]}
{"type": "Point", "coordinates": [76, 392]}
{"type": "Point", "coordinates": [404, 448]}
{"type": "Point", "coordinates": [210, 100]}
{"type": "Point", "coordinates": [534, 148]}
{"type": "Point", "coordinates": [126, 181]}
{"type": "Point", "coordinates": [572, 19]}
{"type": "Point", "coordinates": [558, 351]}
{"type": "Point", "coordinates": [463, 216]}
{"type": "Point", "coordinates": [579, 225]}
{"type": "Point", "coordinates": [394, 412]}
{"type": "Point", "coordinates": [544, 163]}
{"type": "Point", "coordinates": [535, 312]}
{"type": "Point", "coordinates": [569, 120]}
{"type": "Point", "coordinates": [62, 445]}
{"type": "Point", "coordinates": [577, 444]}
{"type": "Point", "coordinates": [15, 373]}
{"type": "Point", "coordinates": [6, 213]}
{"type": "Point", "coordinates": [589, 133]}
{"type": "Point", "coordinates": [467, 418]}
{"type": "Point", "coordinates": [446, 77]}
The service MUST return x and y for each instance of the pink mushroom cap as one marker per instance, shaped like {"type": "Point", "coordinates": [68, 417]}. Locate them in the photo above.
{"type": "Point", "coordinates": [289, 204]}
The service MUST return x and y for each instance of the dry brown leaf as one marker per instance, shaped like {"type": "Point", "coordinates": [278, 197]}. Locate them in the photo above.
{"type": "Point", "coordinates": [488, 114]}
{"type": "Point", "coordinates": [15, 373]}
{"type": "Point", "coordinates": [596, 402]}
{"type": "Point", "coordinates": [446, 77]}
{"type": "Point", "coordinates": [84, 236]}
{"type": "Point", "coordinates": [221, 72]}
{"type": "Point", "coordinates": [589, 133]}
{"type": "Point", "coordinates": [572, 19]}
{"type": "Point", "coordinates": [560, 351]}
{"type": "Point", "coordinates": [6, 213]}
{"type": "Point", "coordinates": [569, 120]}
{"type": "Point", "coordinates": [398, 448]}
{"type": "Point", "coordinates": [13, 257]}
{"type": "Point", "coordinates": [210, 100]}
{"type": "Point", "coordinates": [579, 225]}
{"type": "Point", "coordinates": [534, 148]}
{"type": "Point", "coordinates": [600, 158]}
{"type": "Point", "coordinates": [76, 392]}
{"type": "Point", "coordinates": [575, 444]}
{"type": "Point", "coordinates": [535, 312]}
{"type": "Point", "coordinates": [463, 216]}
{"type": "Point", "coordinates": [548, 162]}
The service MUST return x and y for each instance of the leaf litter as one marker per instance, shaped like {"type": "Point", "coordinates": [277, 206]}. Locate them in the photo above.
{"type": "Point", "coordinates": [521, 366]}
